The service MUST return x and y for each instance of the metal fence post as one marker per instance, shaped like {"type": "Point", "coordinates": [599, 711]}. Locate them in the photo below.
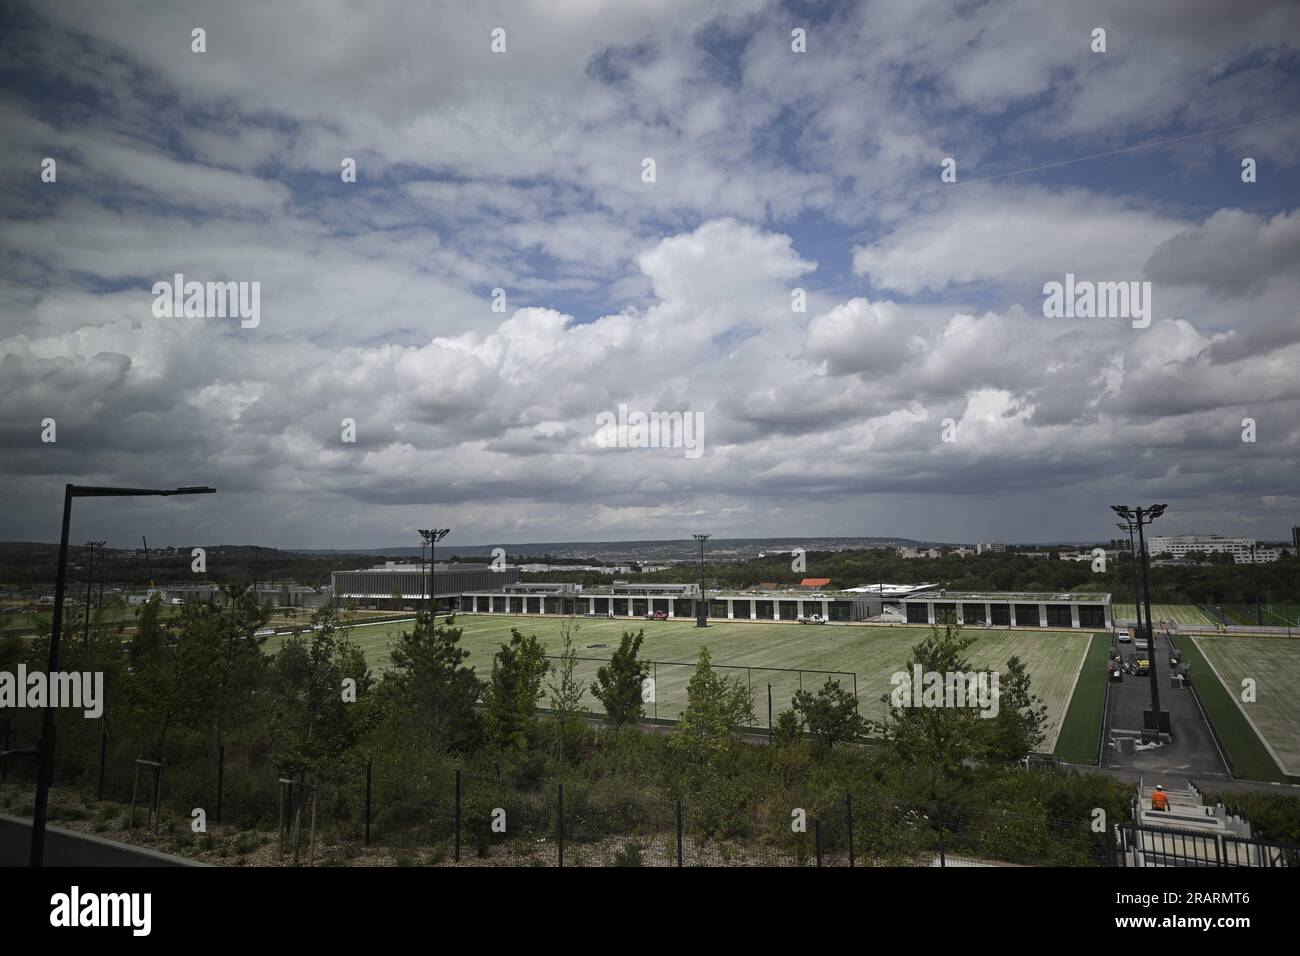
{"type": "Point", "coordinates": [457, 818]}
{"type": "Point", "coordinates": [817, 838]}
{"type": "Point", "coordinates": [560, 818]}
{"type": "Point", "coordinates": [848, 808]}
{"type": "Point", "coordinates": [942, 856]}
{"type": "Point", "coordinates": [679, 832]}
{"type": "Point", "coordinates": [370, 767]}
{"type": "Point", "coordinates": [297, 816]}
{"type": "Point", "coordinates": [157, 797]}
{"type": "Point", "coordinates": [221, 777]}
{"type": "Point", "coordinates": [286, 809]}
{"type": "Point", "coordinates": [103, 756]}
{"type": "Point", "coordinates": [135, 789]}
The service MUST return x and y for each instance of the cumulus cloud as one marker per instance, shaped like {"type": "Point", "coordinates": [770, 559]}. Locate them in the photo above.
{"type": "Point", "coordinates": [522, 172]}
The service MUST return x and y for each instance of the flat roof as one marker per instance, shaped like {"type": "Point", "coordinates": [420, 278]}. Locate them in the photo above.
{"type": "Point", "coordinates": [894, 589]}
{"type": "Point", "coordinates": [794, 593]}
{"type": "Point", "coordinates": [1027, 596]}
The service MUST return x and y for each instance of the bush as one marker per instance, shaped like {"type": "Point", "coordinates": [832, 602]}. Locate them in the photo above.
{"type": "Point", "coordinates": [630, 854]}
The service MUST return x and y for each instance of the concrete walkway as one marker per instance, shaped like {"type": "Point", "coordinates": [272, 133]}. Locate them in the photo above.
{"type": "Point", "coordinates": [69, 848]}
{"type": "Point", "coordinates": [1192, 753]}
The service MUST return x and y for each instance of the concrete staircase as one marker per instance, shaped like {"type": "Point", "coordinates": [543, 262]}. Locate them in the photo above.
{"type": "Point", "coordinates": [1189, 833]}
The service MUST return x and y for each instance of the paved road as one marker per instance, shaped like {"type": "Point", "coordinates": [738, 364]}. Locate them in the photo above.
{"type": "Point", "coordinates": [68, 848]}
{"type": "Point", "coordinates": [1193, 751]}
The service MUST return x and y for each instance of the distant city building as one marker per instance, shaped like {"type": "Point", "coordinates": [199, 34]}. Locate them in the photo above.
{"type": "Point", "coordinates": [1243, 550]}
{"type": "Point", "coordinates": [1083, 555]}
{"type": "Point", "coordinates": [919, 553]}
{"type": "Point", "coordinates": [995, 547]}
{"type": "Point", "coordinates": [592, 568]}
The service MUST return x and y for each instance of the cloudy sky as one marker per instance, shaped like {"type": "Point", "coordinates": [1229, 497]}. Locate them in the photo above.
{"type": "Point", "coordinates": [525, 171]}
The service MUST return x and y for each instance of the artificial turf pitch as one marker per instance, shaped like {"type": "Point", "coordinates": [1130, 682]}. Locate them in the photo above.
{"type": "Point", "coordinates": [766, 653]}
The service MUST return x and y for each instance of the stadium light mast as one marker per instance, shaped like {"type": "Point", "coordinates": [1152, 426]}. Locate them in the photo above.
{"type": "Point", "coordinates": [45, 746]}
{"type": "Point", "coordinates": [424, 568]}
{"type": "Point", "coordinates": [1141, 517]}
{"type": "Point", "coordinates": [702, 614]}
{"type": "Point", "coordinates": [432, 536]}
{"type": "Point", "coordinates": [90, 584]}
{"type": "Point", "coordinates": [1137, 586]}
{"type": "Point", "coordinates": [1254, 576]}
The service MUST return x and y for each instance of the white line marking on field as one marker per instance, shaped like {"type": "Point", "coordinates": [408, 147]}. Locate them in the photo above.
{"type": "Point", "coordinates": [1234, 698]}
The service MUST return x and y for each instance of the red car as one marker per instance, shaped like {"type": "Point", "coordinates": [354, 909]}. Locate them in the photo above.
{"type": "Point", "coordinates": [657, 616]}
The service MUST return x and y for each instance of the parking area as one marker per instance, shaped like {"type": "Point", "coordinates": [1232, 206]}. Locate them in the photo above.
{"type": "Point", "coordinates": [1192, 752]}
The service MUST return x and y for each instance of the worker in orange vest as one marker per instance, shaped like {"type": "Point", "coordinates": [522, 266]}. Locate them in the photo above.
{"type": "Point", "coordinates": [1159, 801]}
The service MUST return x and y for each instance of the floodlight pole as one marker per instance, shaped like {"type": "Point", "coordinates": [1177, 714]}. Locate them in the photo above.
{"type": "Point", "coordinates": [1132, 553]}
{"type": "Point", "coordinates": [702, 615]}
{"type": "Point", "coordinates": [1254, 576]}
{"type": "Point", "coordinates": [432, 536]}
{"type": "Point", "coordinates": [1144, 518]}
{"type": "Point", "coordinates": [45, 746]}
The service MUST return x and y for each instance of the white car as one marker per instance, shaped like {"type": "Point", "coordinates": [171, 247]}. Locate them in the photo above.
{"type": "Point", "coordinates": [812, 619]}
{"type": "Point", "coordinates": [1122, 635]}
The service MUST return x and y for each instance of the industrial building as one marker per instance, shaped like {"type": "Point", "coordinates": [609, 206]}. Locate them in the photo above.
{"type": "Point", "coordinates": [395, 586]}
{"type": "Point", "coordinates": [911, 604]}
{"type": "Point", "coordinates": [1010, 609]}
{"type": "Point", "coordinates": [483, 589]}
{"type": "Point", "coordinates": [623, 599]}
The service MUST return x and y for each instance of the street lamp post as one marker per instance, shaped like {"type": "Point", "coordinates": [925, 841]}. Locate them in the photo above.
{"type": "Point", "coordinates": [702, 615]}
{"type": "Point", "coordinates": [45, 747]}
{"type": "Point", "coordinates": [1142, 517]}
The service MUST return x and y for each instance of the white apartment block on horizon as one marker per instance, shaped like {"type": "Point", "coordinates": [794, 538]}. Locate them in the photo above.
{"type": "Point", "coordinates": [1243, 550]}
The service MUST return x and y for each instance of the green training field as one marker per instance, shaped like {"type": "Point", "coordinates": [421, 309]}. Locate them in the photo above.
{"type": "Point", "coordinates": [1178, 613]}
{"type": "Point", "coordinates": [41, 621]}
{"type": "Point", "coordinates": [1274, 615]}
{"type": "Point", "coordinates": [1080, 735]}
{"type": "Point", "coordinates": [1274, 664]}
{"type": "Point", "coordinates": [874, 653]}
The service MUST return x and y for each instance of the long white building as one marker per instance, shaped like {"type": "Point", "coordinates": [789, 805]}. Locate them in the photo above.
{"type": "Point", "coordinates": [1243, 550]}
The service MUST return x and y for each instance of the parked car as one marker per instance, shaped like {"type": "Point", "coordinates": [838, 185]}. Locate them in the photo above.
{"type": "Point", "coordinates": [812, 619]}
{"type": "Point", "coordinates": [657, 616]}
{"type": "Point", "coordinates": [1122, 635]}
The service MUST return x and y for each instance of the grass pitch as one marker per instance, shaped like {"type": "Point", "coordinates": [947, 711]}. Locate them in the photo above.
{"type": "Point", "coordinates": [1274, 664]}
{"type": "Point", "coordinates": [1177, 613]}
{"type": "Point", "coordinates": [756, 652]}
{"type": "Point", "coordinates": [1080, 736]}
